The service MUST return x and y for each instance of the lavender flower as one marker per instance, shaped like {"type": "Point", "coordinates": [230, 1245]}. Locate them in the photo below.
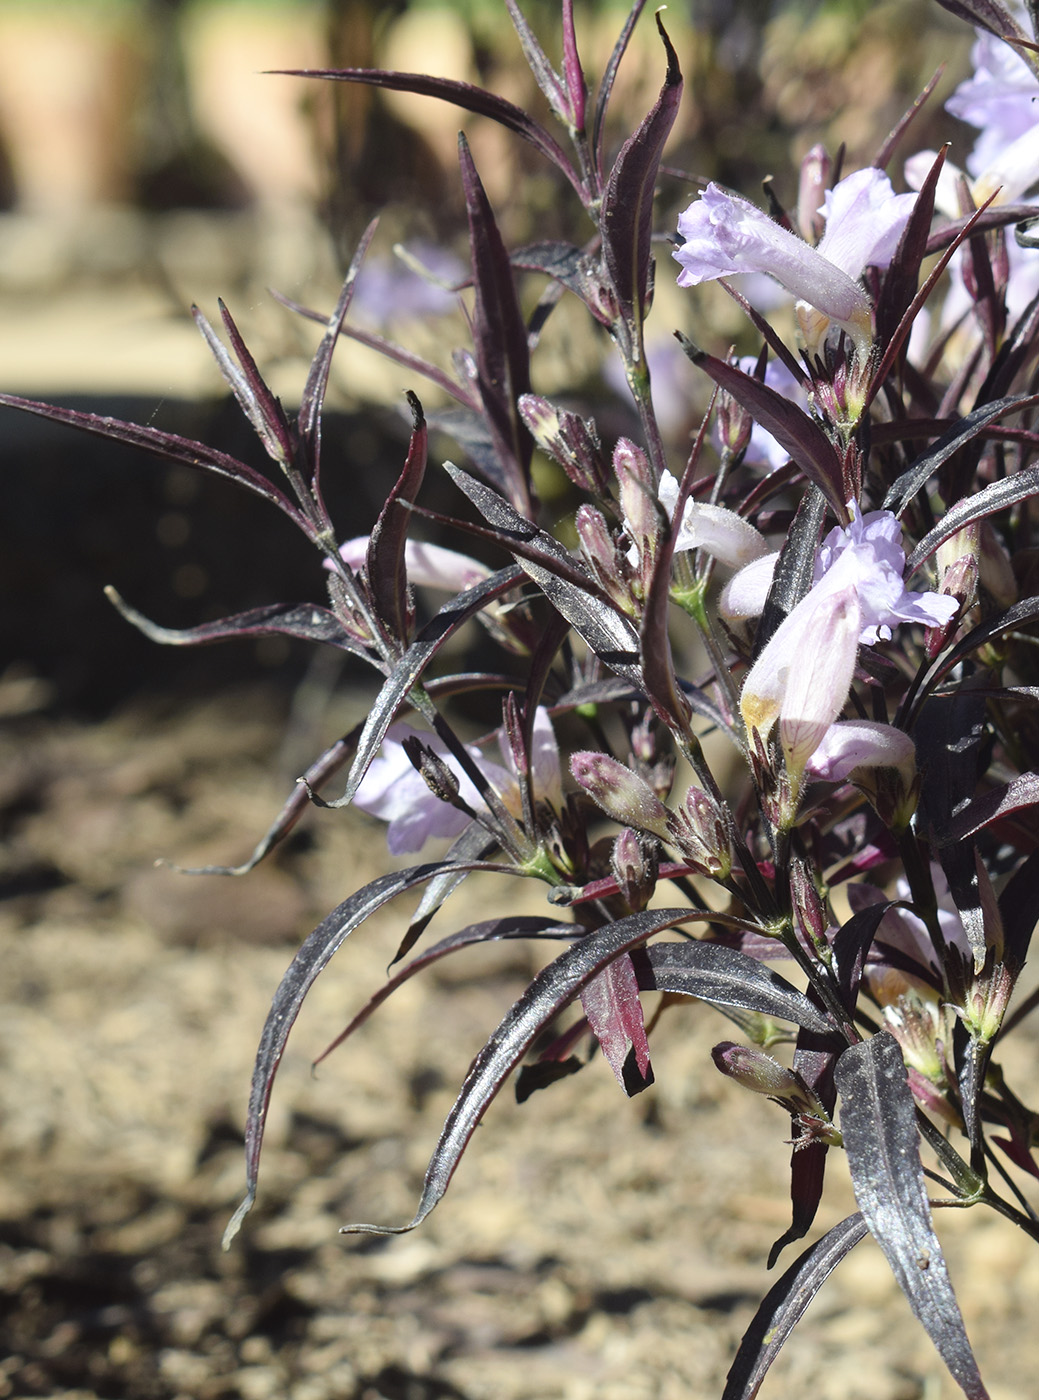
{"type": "Point", "coordinates": [393, 790]}
{"type": "Point", "coordinates": [725, 234]}
{"type": "Point", "coordinates": [430, 565]}
{"type": "Point", "coordinates": [866, 554]}
{"type": "Point", "coordinates": [722, 533]}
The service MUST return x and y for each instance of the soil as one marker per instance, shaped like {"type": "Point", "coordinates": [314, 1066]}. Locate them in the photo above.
{"type": "Point", "coordinates": [589, 1245]}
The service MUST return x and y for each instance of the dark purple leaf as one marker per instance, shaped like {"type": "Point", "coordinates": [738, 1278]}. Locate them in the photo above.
{"type": "Point", "coordinates": [891, 143]}
{"type": "Point", "coordinates": [626, 219]}
{"type": "Point", "coordinates": [990, 217]}
{"type": "Point", "coordinates": [551, 990]}
{"type": "Point", "coordinates": [305, 621]}
{"type": "Point", "coordinates": [1015, 616]}
{"type": "Point", "coordinates": [610, 635]}
{"type": "Point", "coordinates": [794, 568]}
{"type": "Point", "coordinates": [611, 1003]}
{"type": "Point", "coordinates": [902, 491]}
{"type": "Point", "coordinates": [405, 675]}
{"type": "Point", "coordinates": [793, 429]}
{"type": "Point", "coordinates": [572, 71]}
{"type": "Point", "coordinates": [546, 77]}
{"type": "Point", "coordinates": [1020, 792]}
{"type": "Point", "coordinates": [1019, 913]}
{"type": "Point", "coordinates": [386, 347]}
{"type": "Point", "coordinates": [784, 1304]}
{"type": "Point", "coordinates": [473, 844]}
{"type": "Point", "coordinates": [997, 496]}
{"type": "Point", "coordinates": [309, 962]}
{"type": "Point", "coordinates": [256, 401]}
{"type": "Point", "coordinates": [726, 977]}
{"type": "Point", "coordinates": [851, 945]}
{"type": "Point", "coordinates": [609, 77]}
{"type": "Point", "coordinates": [878, 1123]}
{"type": "Point", "coordinates": [313, 399]}
{"type": "Point", "coordinates": [387, 576]}
{"type": "Point", "coordinates": [1015, 352]}
{"type": "Point", "coordinates": [654, 639]}
{"type": "Point", "coordinates": [489, 931]}
{"type": "Point", "coordinates": [465, 95]}
{"type": "Point", "coordinates": [988, 14]}
{"type": "Point", "coordinates": [814, 1059]}
{"type": "Point", "coordinates": [900, 281]}
{"type": "Point", "coordinates": [169, 445]}
{"type": "Point", "coordinates": [499, 337]}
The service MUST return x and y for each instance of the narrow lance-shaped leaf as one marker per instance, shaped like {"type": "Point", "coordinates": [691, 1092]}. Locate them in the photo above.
{"type": "Point", "coordinates": [465, 95]}
{"type": "Point", "coordinates": [611, 636]}
{"type": "Point", "coordinates": [627, 206]}
{"type": "Point", "coordinates": [171, 446]}
{"type": "Point", "coordinates": [499, 337]}
{"type": "Point", "coordinates": [784, 1304]}
{"type": "Point", "coordinates": [726, 977]}
{"type": "Point", "coordinates": [488, 931]}
{"type": "Point", "coordinates": [551, 990]}
{"type": "Point", "coordinates": [313, 398]}
{"type": "Point", "coordinates": [878, 1123]}
{"type": "Point", "coordinates": [387, 575]}
{"type": "Point", "coordinates": [794, 568]}
{"type": "Point", "coordinates": [405, 675]}
{"type": "Point", "coordinates": [305, 621]}
{"type": "Point", "coordinates": [792, 428]}
{"type": "Point", "coordinates": [609, 77]}
{"type": "Point", "coordinates": [257, 402]}
{"type": "Point", "coordinates": [312, 957]}
{"type": "Point", "coordinates": [654, 639]}
{"type": "Point", "coordinates": [902, 491]}
{"type": "Point", "coordinates": [546, 77]}
{"type": "Point", "coordinates": [1020, 793]}
{"type": "Point", "coordinates": [997, 496]}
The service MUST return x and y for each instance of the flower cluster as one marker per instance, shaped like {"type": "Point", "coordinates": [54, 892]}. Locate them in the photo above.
{"type": "Point", "coordinates": [869, 654]}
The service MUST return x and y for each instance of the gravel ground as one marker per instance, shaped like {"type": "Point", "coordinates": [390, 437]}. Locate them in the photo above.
{"type": "Point", "coordinates": [588, 1246]}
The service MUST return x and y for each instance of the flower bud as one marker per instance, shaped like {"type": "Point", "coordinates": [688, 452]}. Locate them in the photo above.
{"type": "Point", "coordinates": [638, 500]}
{"type": "Point", "coordinates": [958, 569]}
{"type": "Point", "coordinates": [816, 169]}
{"type": "Point", "coordinates": [700, 833]}
{"type": "Point", "coordinates": [634, 863]}
{"type": "Point", "coordinates": [568, 439]}
{"type": "Point", "coordinates": [609, 567]}
{"type": "Point", "coordinates": [621, 793]}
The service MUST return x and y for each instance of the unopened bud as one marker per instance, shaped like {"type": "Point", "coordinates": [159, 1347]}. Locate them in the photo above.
{"type": "Point", "coordinates": [808, 906]}
{"type": "Point", "coordinates": [568, 439]}
{"type": "Point", "coordinates": [433, 771]}
{"type": "Point", "coordinates": [958, 562]}
{"type": "Point", "coordinates": [610, 569]}
{"type": "Point", "coordinates": [638, 498]}
{"type": "Point", "coordinates": [621, 793]}
{"type": "Point", "coordinates": [634, 862]}
{"type": "Point", "coordinates": [816, 169]}
{"type": "Point", "coordinates": [761, 1074]}
{"type": "Point", "coordinates": [700, 833]}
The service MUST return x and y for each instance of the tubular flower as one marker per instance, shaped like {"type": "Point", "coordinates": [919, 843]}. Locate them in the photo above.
{"type": "Point", "coordinates": [866, 554]}
{"type": "Point", "coordinates": [722, 533]}
{"type": "Point", "coordinates": [725, 234]}
{"type": "Point", "coordinates": [430, 565]}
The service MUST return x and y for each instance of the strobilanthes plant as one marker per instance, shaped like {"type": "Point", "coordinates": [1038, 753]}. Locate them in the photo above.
{"type": "Point", "coordinates": [864, 484]}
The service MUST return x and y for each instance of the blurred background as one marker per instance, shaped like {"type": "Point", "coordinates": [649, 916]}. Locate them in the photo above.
{"type": "Point", "coordinates": [149, 161]}
{"type": "Point", "coordinates": [590, 1247]}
